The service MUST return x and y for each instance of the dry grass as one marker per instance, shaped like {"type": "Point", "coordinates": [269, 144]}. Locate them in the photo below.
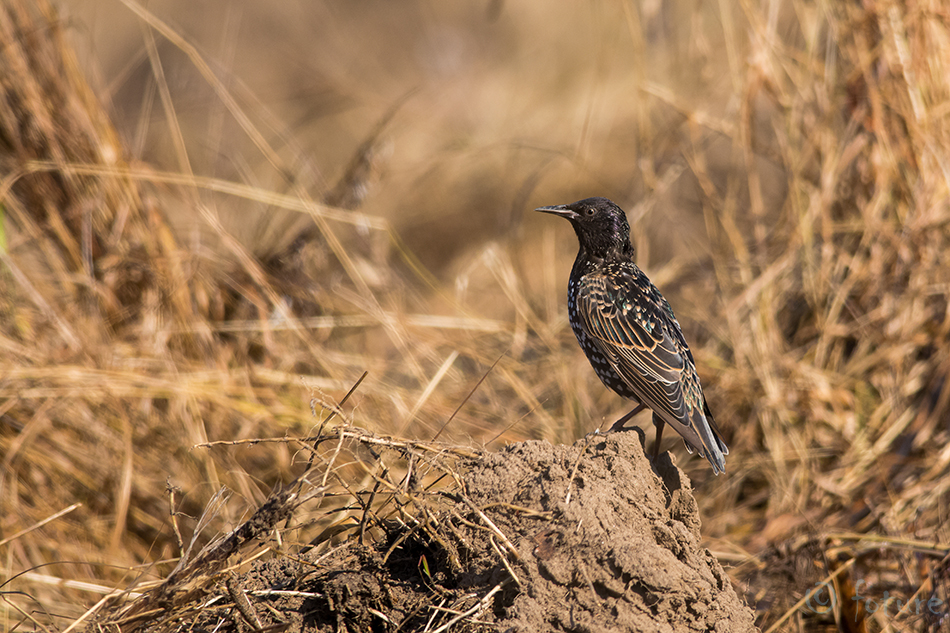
{"type": "Point", "coordinates": [190, 283]}
{"type": "Point", "coordinates": [358, 488]}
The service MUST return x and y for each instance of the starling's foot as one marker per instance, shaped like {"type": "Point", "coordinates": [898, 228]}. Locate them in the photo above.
{"type": "Point", "coordinates": [618, 425]}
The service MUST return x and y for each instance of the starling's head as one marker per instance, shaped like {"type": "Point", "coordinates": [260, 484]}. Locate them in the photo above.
{"type": "Point", "coordinates": [601, 226]}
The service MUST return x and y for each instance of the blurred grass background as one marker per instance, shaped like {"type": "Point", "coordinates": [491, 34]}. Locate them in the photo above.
{"type": "Point", "coordinates": [217, 216]}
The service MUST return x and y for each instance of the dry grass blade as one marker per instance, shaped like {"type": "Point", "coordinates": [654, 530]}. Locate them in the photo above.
{"type": "Point", "coordinates": [470, 393]}
{"type": "Point", "coordinates": [40, 524]}
{"type": "Point", "coordinates": [480, 606]}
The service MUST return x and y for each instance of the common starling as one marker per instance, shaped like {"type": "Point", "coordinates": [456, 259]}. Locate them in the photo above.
{"type": "Point", "coordinates": [629, 333]}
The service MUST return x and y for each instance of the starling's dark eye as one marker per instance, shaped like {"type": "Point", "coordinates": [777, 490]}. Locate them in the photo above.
{"type": "Point", "coordinates": [589, 211]}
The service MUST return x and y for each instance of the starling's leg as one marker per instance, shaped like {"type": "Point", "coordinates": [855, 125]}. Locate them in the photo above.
{"type": "Point", "coordinates": [618, 425]}
{"type": "Point", "coordinates": [659, 424]}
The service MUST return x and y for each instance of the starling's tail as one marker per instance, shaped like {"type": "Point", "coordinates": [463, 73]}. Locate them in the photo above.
{"type": "Point", "coordinates": [715, 429]}
{"type": "Point", "coordinates": [713, 447]}
{"type": "Point", "coordinates": [701, 435]}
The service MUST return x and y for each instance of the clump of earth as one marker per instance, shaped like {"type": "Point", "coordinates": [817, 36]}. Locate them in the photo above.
{"type": "Point", "coordinates": [590, 537]}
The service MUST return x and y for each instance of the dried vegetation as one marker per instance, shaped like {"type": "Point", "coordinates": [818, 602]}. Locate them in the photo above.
{"type": "Point", "coordinates": [809, 161]}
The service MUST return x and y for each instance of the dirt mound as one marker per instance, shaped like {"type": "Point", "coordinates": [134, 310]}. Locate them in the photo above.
{"type": "Point", "coordinates": [535, 537]}
{"type": "Point", "coordinates": [623, 553]}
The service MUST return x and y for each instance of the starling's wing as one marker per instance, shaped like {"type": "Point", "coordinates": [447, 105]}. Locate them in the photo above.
{"type": "Point", "coordinates": [628, 320]}
{"type": "Point", "coordinates": [619, 317]}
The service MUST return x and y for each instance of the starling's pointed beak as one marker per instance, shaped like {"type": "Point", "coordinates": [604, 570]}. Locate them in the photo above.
{"type": "Point", "coordinates": [562, 210]}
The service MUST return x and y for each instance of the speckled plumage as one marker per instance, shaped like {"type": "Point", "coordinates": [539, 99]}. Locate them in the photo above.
{"type": "Point", "coordinates": [628, 330]}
